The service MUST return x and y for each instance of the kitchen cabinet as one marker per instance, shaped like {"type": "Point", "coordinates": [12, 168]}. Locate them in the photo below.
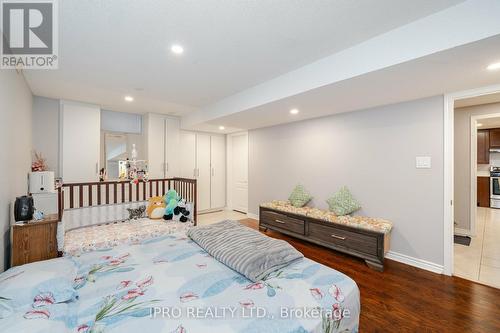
{"type": "Point", "coordinates": [494, 137]}
{"type": "Point", "coordinates": [483, 147]}
{"type": "Point", "coordinates": [483, 191]}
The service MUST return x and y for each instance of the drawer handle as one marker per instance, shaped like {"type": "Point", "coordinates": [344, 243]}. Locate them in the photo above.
{"type": "Point", "coordinates": [279, 221]}
{"type": "Point", "coordinates": [338, 237]}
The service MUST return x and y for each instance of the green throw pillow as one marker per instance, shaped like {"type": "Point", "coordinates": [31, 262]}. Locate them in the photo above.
{"type": "Point", "coordinates": [342, 203]}
{"type": "Point", "coordinates": [299, 196]}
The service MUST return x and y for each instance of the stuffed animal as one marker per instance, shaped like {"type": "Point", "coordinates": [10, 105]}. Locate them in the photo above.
{"type": "Point", "coordinates": [181, 212]}
{"type": "Point", "coordinates": [156, 208]}
{"type": "Point", "coordinates": [176, 207]}
{"type": "Point", "coordinates": [171, 199]}
{"type": "Point", "coordinates": [136, 213]}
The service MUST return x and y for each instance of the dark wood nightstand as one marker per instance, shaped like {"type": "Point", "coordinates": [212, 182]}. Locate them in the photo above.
{"type": "Point", "coordinates": [34, 241]}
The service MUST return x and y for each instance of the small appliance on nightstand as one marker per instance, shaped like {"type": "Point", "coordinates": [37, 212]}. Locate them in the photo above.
{"type": "Point", "coordinates": [42, 189]}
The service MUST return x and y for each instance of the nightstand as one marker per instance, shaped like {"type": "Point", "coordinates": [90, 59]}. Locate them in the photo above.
{"type": "Point", "coordinates": [34, 241]}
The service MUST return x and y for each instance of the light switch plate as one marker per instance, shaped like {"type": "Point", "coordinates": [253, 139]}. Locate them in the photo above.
{"type": "Point", "coordinates": [423, 162]}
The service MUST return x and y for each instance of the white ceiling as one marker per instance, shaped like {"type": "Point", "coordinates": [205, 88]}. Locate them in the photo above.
{"type": "Point", "coordinates": [113, 48]}
{"type": "Point", "coordinates": [489, 123]}
{"type": "Point", "coordinates": [479, 100]}
{"type": "Point", "coordinates": [457, 69]}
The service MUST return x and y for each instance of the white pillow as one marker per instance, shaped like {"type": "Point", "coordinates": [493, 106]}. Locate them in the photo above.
{"type": "Point", "coordinates": [38, 284]}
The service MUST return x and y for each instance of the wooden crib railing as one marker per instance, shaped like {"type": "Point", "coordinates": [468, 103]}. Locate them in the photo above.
{"type": "Point", "coordinates": [77, 195]}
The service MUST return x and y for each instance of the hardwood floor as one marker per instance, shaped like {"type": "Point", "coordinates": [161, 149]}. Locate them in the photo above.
{"type": "Point", "coordinates": [407, 299]}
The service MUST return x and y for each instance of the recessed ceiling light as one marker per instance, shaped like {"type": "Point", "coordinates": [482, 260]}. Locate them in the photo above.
{"type": "Point", "coordinates": [294, 111]}
{"type": "Point", "coordinates": [494, 67]}
{"type": "Point", "coordinates": [177, 49]}
{"type": "Point", "coordinates": [479, 125]}
{"type": "Point", "coordinates": [129, 98]}
{"type": "Point", "coordinates": [222, 128]}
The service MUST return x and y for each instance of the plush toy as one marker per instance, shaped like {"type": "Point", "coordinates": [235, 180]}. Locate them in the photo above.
{"type": "Point", "coordinates": [156, 208]}
{"type": "Point", "coordinates": [136, 213]}
{"type": "Point", "coordinates": [171, 199]}
{"type": "Point", "coordinates": [175, 207]}
{"type": "Point", "coordinates": [181, 212]}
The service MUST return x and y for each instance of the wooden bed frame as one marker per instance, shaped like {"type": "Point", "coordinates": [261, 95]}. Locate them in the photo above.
{"type": "Point", "coordinates": [78, 195]}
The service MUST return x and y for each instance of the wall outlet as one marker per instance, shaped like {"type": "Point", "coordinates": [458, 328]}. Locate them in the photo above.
{"type": "Point", "coordinates": [423, 162]}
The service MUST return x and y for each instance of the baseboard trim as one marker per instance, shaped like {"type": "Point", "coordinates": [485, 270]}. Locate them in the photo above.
{"type": "Point", "coordinates": [415, 262]}
{"type": "Point", "coordinates": [253, 216]}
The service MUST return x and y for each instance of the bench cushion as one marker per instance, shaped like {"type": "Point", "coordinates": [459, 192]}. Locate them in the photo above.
{"type": "Point", "coordinates": [360, 222]}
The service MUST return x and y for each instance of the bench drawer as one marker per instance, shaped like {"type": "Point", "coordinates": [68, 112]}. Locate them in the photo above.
{"type": "Point", "coordinates": [344, 238]}
{"type": "Point", "coordinates": [284, 222]}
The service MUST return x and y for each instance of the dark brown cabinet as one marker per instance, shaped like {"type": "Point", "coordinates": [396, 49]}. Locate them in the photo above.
{"type": "Point", "coordinates": [494, 137]}
{"type": "Point", "coordinates": [483, 146]}
{"type": "Point", "coordinates": [483, 191]}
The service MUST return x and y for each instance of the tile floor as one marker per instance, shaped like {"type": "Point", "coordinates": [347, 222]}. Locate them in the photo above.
{"type": "Point", "coordinates": [209, 218]}
{"type": "Point", "coordinates": [480, 262]}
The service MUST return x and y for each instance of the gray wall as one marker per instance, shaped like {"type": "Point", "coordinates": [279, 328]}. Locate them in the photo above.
{"type": "Point", "coordinates": [373, 153]}
{"type": "Point", "coordinates": [462, 142]}
{"type": "Point", "coordinates": [46, 130]}
{"type": "Point", "coordinates": [15, 136]}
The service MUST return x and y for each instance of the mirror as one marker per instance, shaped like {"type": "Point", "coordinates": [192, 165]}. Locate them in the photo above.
{"type": "Point", "coordinates": [116, 149]}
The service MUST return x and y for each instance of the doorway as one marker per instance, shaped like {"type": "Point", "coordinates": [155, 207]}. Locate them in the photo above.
{"type": "Point", "coordinates": [237, 175]}
{"type": "Point", "coordinates": [472, 224]}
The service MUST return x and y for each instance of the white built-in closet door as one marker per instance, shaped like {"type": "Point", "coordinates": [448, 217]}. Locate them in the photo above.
{"type": "Point", "coordinates": [156, 146]}
{"type": "Point", "coordinates": [80, 142]}
{"type": "Point", "coordinates": [218, 164]}
{"type": "Point", "coordinates": [173, 135]}
{"type": "Point", "coordinates": [187, 155]}
{"type": "Point", "coordinates": [239, 172]}
{"type": "Point", "coordinates": [203, 170]}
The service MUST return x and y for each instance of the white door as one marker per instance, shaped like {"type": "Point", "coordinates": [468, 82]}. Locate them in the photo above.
{"type": "Point", "coordinates": [238, 182]}
{"type": "Point", "coordinates": [218, 171]}
{"type": "Point", "coordinates": [187, 155]}
{"type": "Point", "coordinates": [80, 142]}
{"type": "Point", "coordinates": [156, 146]}
{"type": "Point", "coordinates": [203, 170]}
{"type": "Point", "coordinates": [172, 161]}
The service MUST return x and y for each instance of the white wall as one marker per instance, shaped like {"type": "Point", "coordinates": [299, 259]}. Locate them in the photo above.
{"type": "Point", "coordinates": [373, 153]}
{"type": "Point", "coordinates": [46, 130]}
{"type": "Point", "coordinates": [15, 136]}
{"type": "Point", "coordinates": [462, 138]}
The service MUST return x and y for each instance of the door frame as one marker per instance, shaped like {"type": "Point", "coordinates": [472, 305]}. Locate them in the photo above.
{"type": "Point", "coordinates": [229, 167]}
{"type": "Point", "coordinates": [448, 197]}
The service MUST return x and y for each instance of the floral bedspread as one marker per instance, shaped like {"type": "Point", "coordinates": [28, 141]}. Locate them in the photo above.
{"type": "Point", "coordinates": [105, 236]}
{"type": "Point", "coordinates": [170, 284]}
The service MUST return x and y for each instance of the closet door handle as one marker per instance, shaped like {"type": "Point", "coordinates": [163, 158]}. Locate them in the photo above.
{"type": "Point", "coordinates": [97, 168]}
{"type": "Point", "coordinates": [194, 172]}
{"type": "Point", "coordinates": [166, 166]}
{"type": "Point", "coordinates": [213, 172]}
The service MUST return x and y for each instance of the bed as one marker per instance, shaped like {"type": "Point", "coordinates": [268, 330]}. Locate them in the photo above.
{"type": "Point", "coordinates": [170, 284]}
{"type": "Point", "coordinates": [94, 215]}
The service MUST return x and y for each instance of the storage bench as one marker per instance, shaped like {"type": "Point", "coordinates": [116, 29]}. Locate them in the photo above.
{"type": "Point", "coordinates": [363, 237]}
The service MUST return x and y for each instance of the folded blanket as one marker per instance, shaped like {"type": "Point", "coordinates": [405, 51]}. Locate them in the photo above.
{"type": "Point", "coordinates": [245, 250]}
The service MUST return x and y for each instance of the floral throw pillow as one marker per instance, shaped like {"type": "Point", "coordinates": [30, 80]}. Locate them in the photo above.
{"type": "Point", "coordinates": [299, 197]}
{"type": "Point", "coordinates": [342, 203]}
